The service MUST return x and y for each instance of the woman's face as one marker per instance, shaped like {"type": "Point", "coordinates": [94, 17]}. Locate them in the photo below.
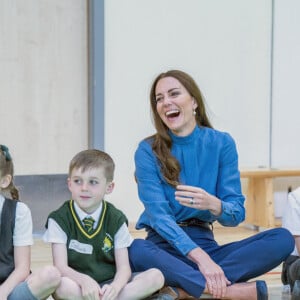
{"type": "Point", "coordinates": [175, 106]}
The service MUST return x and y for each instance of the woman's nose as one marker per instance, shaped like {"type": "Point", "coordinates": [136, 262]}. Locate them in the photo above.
{"type": "Point", "coordinates": [166, 100]}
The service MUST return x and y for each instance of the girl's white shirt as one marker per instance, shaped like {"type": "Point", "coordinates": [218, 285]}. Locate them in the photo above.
{"type": "Point", "coordinates": [291, 215]}
{"type": "Point", "coordinates": [55, 234]}
{"type": "Point", "coordinates": [22, 235]}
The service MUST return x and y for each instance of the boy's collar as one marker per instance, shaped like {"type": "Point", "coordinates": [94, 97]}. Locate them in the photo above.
{"type": "Point", "coordinates": [82, 214]}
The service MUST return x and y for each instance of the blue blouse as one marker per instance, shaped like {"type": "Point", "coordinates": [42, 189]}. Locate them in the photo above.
{"type": "Point", "coordinates": [209, 160]}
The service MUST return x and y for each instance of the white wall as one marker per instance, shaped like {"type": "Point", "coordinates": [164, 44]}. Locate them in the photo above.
{"type": "Point", "coordinates": [43, 83]}
{"type": "Point", "coordinates": [286, 99]}
{"type": "Point", "coordinates": [224, 45]}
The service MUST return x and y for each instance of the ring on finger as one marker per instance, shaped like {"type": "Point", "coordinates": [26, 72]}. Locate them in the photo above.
{"type": "Point", "coordinates": [192, 201]}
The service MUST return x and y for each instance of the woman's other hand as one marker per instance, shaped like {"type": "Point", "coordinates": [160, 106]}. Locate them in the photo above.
{"type": "Point", "coordinates": [216, 281]}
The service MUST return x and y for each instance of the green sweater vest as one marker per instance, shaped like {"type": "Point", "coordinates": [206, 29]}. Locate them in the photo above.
{"type": "Point", "coordinates": [90, 253]}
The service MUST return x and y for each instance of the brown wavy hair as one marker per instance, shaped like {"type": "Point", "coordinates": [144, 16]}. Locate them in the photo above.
{"type": "Point", "coordinates": [7, 168]}
{"type": "Point", "coordinates": [162, 142]}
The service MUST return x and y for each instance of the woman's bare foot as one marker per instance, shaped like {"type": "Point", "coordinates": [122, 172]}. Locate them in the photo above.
{"type": "Point", "coordinates": [256, 290]}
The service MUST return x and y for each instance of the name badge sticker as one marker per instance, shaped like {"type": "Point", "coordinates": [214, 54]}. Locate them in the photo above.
{"type": "Point", "coordinates": [80, 247]}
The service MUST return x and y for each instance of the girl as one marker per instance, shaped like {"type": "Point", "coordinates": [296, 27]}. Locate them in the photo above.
{"type": "Point", "coordinates": [16, 280]}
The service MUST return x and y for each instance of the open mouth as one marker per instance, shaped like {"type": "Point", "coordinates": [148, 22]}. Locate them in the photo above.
{"type": "Point", "coordinates": [174, 113]}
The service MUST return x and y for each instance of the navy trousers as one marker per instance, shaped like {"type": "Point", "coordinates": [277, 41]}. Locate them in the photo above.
{"type": "Point", "coordinates": [240, 261]}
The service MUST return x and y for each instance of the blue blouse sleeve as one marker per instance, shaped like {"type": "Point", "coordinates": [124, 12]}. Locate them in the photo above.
{"type": "Point", "coordinates": [229, 185]}
{"type": "Point", "coordinates": [158, 213]}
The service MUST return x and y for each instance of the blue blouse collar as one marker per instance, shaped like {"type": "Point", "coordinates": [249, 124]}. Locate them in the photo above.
{"type": "Point", "coordinates": [185, 139]}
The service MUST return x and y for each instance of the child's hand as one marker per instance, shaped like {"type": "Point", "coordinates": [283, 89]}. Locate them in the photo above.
{"type": "Point", "coordinates": [109, 292]}
{"type": "Point", "coordinates": [3, 293]}
{"type": "Point", "coordinates": [90, 289]}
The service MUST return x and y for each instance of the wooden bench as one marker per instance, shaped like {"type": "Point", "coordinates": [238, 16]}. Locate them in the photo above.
{"type": "Point", "coordinates": [259, 196]}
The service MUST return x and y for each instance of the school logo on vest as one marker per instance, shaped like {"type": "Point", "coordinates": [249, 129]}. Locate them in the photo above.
{"type": "Point", "coordinates": [107, 243]}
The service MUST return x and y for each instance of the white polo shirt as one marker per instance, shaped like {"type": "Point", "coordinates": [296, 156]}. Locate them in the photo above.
{"type": "Point", "coordinates": [291, 215]}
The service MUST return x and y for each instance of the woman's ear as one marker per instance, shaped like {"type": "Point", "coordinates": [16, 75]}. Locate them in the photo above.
{"type": "Point", "coordinates": [195, 105]}
{"type": "Point", "coordinates": [5, 181]}
{"type": "Point", "coordinates": [110, 187]}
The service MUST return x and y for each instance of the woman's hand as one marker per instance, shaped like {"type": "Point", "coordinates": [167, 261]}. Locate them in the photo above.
{"type": "Point", "coordinates": [198, 198]}
{"type": "Point", "coordinates": [216, 281]}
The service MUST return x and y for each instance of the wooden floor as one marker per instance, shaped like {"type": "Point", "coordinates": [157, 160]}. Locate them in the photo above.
{"type": "Point", "coordinates": [41, 255]}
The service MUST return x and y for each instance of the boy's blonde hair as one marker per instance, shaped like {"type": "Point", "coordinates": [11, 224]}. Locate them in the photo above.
{"type": "Point", "coordinates": [92, 159]}
{"type": "Point", "coordinates": [7, 168]}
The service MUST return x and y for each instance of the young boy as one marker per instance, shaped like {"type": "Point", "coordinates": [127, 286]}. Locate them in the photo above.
{"type": "Point", "coordinates": [291, 221]}
{"type": "Point", "coordinates": [90, 237]}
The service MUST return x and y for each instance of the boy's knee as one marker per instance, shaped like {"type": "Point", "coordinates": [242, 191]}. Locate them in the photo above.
{"type": "Point", "coordinates": [153, 278]}
{"type": "Point", "coordinates": [50, 276]}
{"type": "Point", "coordinates": [44, 281]}
{"type": "Point", "coordinates": [67, 289]}
{"type": "Point", "coordinates": [156, 277]}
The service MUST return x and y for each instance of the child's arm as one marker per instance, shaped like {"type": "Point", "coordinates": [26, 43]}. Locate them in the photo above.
{"type": "Point", "coordinates": [89, 287]}
{"type": "Point", "coordinates": [20, 273]}
{"type": "Point", "coordinates": [122, 276]}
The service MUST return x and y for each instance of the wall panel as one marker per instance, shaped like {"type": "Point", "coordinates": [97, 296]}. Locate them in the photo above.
{"type": "Point", "coordinates": [286, 104]}
{"type": "Point", "coordinates": [43, 82]}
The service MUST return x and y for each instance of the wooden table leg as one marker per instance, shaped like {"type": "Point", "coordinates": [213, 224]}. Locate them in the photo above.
{"type": "Point", "coordinates": [260, 203]}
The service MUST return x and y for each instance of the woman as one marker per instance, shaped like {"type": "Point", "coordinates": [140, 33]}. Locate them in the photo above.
{"type": "Point", "coordinates": [187, 175]}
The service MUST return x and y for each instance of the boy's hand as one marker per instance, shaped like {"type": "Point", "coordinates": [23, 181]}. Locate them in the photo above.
{"type": "Point", "coordinates": [90, 289]}
{"type": "Point", "coordinates": [109, 292]}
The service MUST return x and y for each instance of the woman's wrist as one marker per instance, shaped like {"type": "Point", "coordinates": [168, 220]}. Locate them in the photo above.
{"type": "Point", "coordinates": [196, 255]}
{"type": "Point", "coordinates": [216, 206]}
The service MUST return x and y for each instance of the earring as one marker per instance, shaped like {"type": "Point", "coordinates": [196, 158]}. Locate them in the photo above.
{"type": "Point", "coordinates": [194, 112]}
